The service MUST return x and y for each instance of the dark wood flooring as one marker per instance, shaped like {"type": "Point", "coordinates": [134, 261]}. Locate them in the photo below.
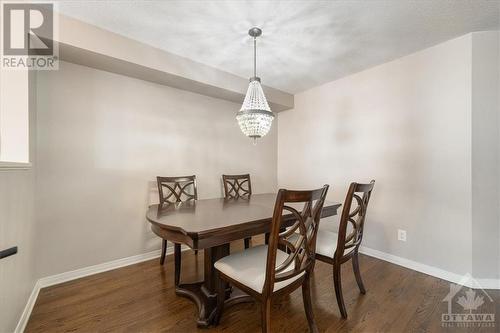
{"type": "Point", "coordinates": [141, 298]}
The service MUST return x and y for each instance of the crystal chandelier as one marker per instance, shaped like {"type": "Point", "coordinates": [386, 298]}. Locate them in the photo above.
{"type": "Point", "coordinates": [255, 116]}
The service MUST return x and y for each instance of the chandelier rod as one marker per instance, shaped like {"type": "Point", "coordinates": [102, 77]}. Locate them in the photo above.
{"type": "Point", "coordinates": [255, 57]}
{"type": "Point", "coordinates": [255, 32]}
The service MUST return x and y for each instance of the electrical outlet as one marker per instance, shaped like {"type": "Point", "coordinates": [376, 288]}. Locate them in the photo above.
{"type": "Point", "coordinates": [402, 235]}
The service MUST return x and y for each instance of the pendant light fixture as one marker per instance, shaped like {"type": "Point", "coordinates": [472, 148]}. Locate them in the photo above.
{"type": "Point", "coordinates": [255, 116]}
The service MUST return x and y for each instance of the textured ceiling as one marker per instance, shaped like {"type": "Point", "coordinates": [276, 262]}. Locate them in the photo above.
{"type": "Point", "coordinates": [304, 43]}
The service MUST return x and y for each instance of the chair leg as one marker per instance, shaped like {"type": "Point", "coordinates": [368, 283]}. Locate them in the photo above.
{"type": "Point", "coordinates": [306, 295]}
{"type": "Point", "coordinates": [221, 298]}
{"type": "Point", "coordinates": [247, 242]}
{"type": "Point", "coordinates": [357, 273]}
{"type": "Point", "coordinates": [177, 263]}
{"type": "Point", "coordinates": [163, 252]}
{"type": "Point", "coordinates": [338, 290]}
{"type": "Point", "coordinates": [266, 315]}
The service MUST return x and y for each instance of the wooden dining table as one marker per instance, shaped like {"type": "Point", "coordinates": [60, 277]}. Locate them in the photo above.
{"type": "Point", "coordinates": [210, 225]}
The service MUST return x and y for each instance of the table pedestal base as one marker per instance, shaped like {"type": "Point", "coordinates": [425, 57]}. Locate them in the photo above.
{"type": "Point", "coordinates": [204, 293]}
{"type": "Point", "coordinates": [205, 302]}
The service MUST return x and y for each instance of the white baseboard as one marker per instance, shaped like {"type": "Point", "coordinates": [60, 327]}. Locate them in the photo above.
{"type": "Point", "coordinates": [79, 273]}
{"type": "Point", "coordinates": [86, 271]}
{"type": "Point", "coordinates": [25, 316]}
{"type": "Point", "coordinates": [430, 270]}
{"type": "Point", "coordinates": [489, 283]}
{"type": "Point", "coordinates": [90, 270]}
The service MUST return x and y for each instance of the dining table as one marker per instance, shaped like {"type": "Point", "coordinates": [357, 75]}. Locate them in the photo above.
{"type": "Point", "coordinates": [210, 225]}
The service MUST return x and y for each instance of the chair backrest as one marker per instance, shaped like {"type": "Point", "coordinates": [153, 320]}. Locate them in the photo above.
{"type": "Point", "coordinates": [177, 189]}
{"type": "Point", "coordinates": [299, 238]}
{"type": "Point", "coordinates": [359, 194]}
{"type": "Point", "coordinates": [236, 186]}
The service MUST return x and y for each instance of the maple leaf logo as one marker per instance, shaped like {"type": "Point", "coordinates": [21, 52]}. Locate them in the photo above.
{"type": "Point", "coordinates": [470, 301]}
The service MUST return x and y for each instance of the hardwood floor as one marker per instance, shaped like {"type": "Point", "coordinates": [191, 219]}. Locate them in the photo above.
{"type": "Point", "coordinates": [140, 298]}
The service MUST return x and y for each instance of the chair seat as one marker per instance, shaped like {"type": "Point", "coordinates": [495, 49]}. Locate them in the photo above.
{"type": "Point", "coordinates": [326, 239]}
{"type": "Point", "coordinates": [249, 267]}
{"type": "Point", "coordinates": [326, 243]}
{"type": "Point", "coordinates": [329, 224]}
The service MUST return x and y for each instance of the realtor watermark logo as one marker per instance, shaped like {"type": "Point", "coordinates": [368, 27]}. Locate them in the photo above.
{"type": "Point", "coordinates": [467, 307]}
{"type": "Point", "coordinates": [27, 36]}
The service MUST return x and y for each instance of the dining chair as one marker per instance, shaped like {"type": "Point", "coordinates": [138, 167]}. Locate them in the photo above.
{"type": "Point", "coordinates": [265, 272]}
{"type": "Point", "coordinates": [338, 248]}
{"type": "Point", "coordinates": [236, 186]}
{"type": "Point", "coordinates": [174, 190]}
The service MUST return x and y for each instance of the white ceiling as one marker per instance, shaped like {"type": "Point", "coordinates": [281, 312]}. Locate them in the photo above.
{"type": "Point", "coordinates": [304, 43]}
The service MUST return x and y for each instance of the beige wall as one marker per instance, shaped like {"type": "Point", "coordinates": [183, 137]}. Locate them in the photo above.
{"type": "Point", "coordinates": [407, 124]}
{"type": "Point", "coordinates": [103, 138]}
{"type": "Point", "coordinates": [485, 145]}
{"type": "Point", "coordinates": [17, 273]}
{"type": "Point", "coordinates": [17, 224]}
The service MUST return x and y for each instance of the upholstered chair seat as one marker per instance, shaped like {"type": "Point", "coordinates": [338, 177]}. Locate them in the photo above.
{"type": "Point", "coordinates": [326, 243]}
{"type": "Point", "coordinates": [330, 223]}
{"type": "Point", "coordinates": [249, 267]}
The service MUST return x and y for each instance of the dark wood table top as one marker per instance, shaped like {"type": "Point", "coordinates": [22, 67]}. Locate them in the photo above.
{"type": "Point", "coordinates": [230, 219]}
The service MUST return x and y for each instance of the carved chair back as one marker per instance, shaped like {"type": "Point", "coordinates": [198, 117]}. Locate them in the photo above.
{"type": "Point", "coordinates": [353, 214]}
{"type": "Point", "coordinates": [299, 239]}
{"type": "Point", "coordinates": [177, 189]}
{"type": "Point", "coordinates": [236, 186]}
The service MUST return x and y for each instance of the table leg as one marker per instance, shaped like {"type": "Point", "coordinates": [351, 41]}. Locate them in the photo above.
{"type": "Point", "coordinates": [204, 294]}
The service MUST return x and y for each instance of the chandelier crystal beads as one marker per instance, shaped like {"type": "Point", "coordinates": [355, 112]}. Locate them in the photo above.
{"type": "Point", "coordinates": [255, 116]}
